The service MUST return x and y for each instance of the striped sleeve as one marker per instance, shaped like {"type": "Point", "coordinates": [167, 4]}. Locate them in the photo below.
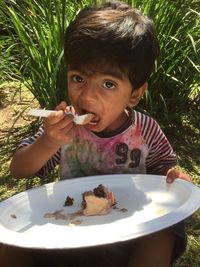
{"type": "Point", "coordinates": [160, 153]}
{"type": "Point", "coordinates": [51, 163]}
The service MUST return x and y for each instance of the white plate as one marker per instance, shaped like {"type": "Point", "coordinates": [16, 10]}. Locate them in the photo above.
{"type": "Point", "coordinates": [152, 205]}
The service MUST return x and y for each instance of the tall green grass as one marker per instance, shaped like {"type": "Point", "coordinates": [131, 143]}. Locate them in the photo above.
{"type": "Point", "coordinates": [37, 31]}
{"type": "Point", "coordinates": [38, 28]}
{"type": "Point", "coordinates": [175, 83]}
{"type": "Point", "coordinates": [8, 53]}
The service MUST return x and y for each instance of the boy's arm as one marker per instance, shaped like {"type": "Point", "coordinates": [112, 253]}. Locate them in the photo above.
{"type": "Point", "coordinates": [30, 159]}
{"type": "Point", "coordinates": [161, 159]}
{"type": "Point", "coordinates": [58, 130]}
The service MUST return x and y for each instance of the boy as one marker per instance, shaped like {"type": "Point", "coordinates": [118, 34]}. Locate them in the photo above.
{"type": "Point", "coordinates": [110, 53]}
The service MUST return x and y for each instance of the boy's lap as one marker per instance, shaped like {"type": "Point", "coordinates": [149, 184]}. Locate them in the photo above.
{"type": "Point", "coordinates": [88, 257]}
{"type": "Point", "coordinates": [11, 256]}
{"type": "Point", "coordinates": [113, 255]}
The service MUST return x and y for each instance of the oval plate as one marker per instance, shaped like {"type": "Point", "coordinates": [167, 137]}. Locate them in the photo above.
{"type": "Point", "coordinates": [145, 204]}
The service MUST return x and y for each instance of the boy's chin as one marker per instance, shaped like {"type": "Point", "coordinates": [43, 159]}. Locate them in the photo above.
{"type": "Point", "coordinates": [96, 128]}
{"type": "Point", "coordinates": [93, 128]}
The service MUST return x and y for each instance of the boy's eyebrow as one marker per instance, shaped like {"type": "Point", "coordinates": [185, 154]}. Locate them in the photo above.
{"type": "Point", "coordinates": [115, 73]}
{"type": "Point", "coordinates": [110, 72]}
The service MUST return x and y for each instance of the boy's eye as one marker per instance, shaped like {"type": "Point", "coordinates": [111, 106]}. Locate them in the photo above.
{"type": "Point", "coordinates": [77, 79]}
{"type": "Point", "coordinates": [109, 85]}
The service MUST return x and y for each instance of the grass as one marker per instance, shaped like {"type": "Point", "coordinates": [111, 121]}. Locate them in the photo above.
{"type": "Point", "coordinates": [174, 85]}
{"type": "Point", "coordinates": [184, 138]}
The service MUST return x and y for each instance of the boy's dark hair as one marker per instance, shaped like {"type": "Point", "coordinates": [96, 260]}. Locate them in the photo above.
{"type": "Point", "coordinates": [114, 34]}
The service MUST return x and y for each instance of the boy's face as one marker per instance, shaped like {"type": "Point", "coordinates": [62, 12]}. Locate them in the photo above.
{"type": "Point", "coordinates": [106, 94]}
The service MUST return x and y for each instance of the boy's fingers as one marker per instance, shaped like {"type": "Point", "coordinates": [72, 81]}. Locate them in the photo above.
{"type": "Point", "coordinates": [61, 132]}
{"type": "Point", "coordinates": [66, 121]}
{"type": "Point", "coordinates": [70, 109]}
{"type": "Point", "coordinates": [54, 118]}
{"type": "Point", "coordinates": [61, 106]}
{"type": "Point", "coordinates": [58, 121]}
{"type": "Point", "coordinates": [172, 174]}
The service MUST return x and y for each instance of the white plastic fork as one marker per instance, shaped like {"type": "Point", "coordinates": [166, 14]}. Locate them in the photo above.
{"type": "Point", "coordinates": [82, 119]}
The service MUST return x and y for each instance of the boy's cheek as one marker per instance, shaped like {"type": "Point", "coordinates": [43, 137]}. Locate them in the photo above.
{"type": "Point", "coordinates": [73, 97]}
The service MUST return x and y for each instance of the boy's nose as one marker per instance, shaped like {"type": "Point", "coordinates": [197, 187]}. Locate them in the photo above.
{"type": "Point", "coordinates": [88, 93]}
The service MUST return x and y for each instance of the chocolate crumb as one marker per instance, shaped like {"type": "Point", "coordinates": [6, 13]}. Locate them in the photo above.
{"type": "Point", "coordinates": [123, 210]}
{"type": "Point", "coordinates": [69, 201]}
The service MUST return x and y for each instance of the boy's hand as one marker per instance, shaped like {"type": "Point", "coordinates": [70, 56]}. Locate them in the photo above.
{"type": "Point", "coordinates": [58, 127]}
{"type": "Point", "coordinates": [173, 173]}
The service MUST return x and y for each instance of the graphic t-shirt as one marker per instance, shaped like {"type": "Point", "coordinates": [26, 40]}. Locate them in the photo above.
{"type": "Point", "coordinates": [140, 148]}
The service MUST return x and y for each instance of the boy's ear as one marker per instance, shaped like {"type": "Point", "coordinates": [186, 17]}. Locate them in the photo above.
{"type": "Point", "coordinates": [137, 95]}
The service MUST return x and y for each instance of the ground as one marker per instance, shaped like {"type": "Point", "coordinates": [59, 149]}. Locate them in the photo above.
{"type": "Point", "coordinates": [16, 125]}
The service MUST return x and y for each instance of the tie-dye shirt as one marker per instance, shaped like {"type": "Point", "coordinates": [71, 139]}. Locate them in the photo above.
{"type": "Point", "coordinates": [140, 148]}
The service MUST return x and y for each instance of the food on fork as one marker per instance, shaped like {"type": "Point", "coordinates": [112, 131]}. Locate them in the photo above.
{"type": "Point", "coordinates": [83, 119]}
{"type": "Point", "coordinates": [98, 202]}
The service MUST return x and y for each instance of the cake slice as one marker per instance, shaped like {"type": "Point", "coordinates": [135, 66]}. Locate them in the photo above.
{"type": "Point", "coordinates": [98, 202]}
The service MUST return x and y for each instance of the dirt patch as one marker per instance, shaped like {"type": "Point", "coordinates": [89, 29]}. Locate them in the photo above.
{"type": "Point", "coordinates": [14, 103]}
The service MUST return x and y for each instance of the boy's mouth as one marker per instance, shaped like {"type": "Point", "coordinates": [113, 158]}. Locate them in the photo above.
{"type": "Point", "coordinates": [95, 118]}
